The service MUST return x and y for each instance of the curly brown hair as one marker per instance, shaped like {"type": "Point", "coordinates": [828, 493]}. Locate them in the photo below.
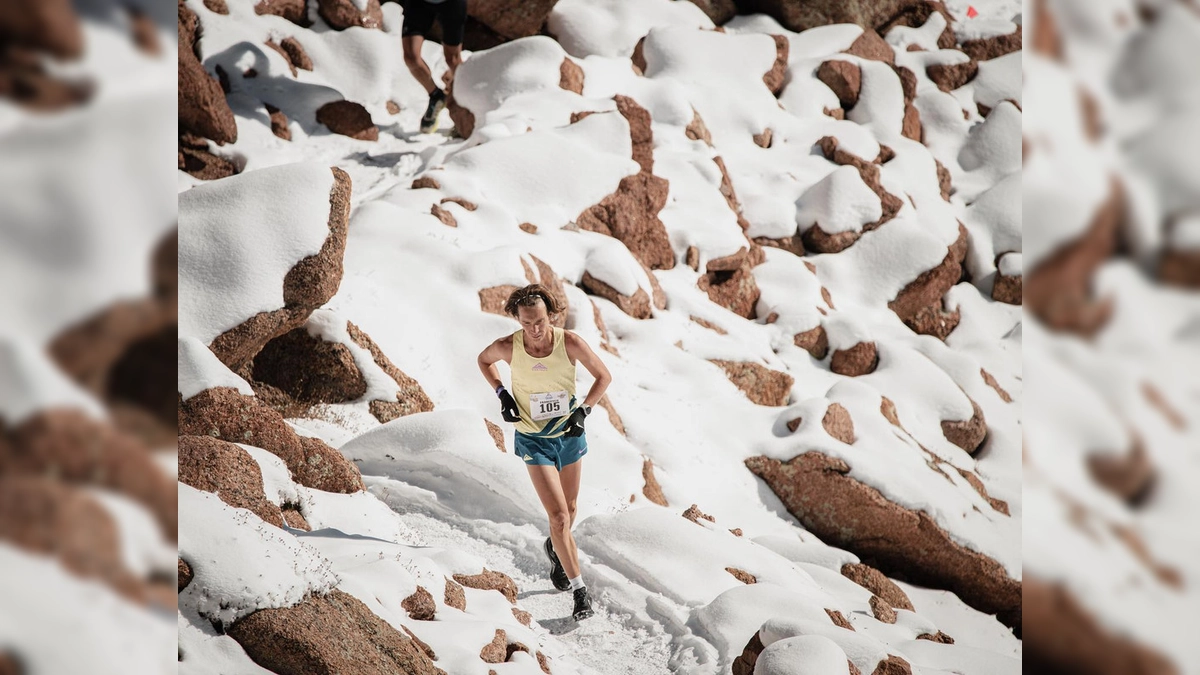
{"type": "Point", "coordinates": [528, 297]}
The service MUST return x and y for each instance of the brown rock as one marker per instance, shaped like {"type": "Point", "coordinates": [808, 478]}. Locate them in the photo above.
{"type": "Point", "coordinates": [342, 14]}
{"type": "Point", "coordinates": [279, 123]}
{"type": "Point", "coordinates": [730, 196]}
{"type": "Point", "coordinates": [835, 113]}
{"type": "Point", "coordinates": [1060, 292]}
{"type": "Point", "coordinates": [295, 11]}
{"type": "Point", "coordinates": [871, 46]}
{"type": "Point", "coordinates": [497, 435]}
{"type": "Point", "coordinates": [997, 504]}
{"type": "Point", "coordinates": [613, 417]}
{"type": "Point", "coordinates": [543, 662]}
{"type": "Point", "coordinates": [839, 620]}
{"type": "Point", "coordinates": [911, 126]}
{"type": "Point", "coordinates": [794, 424]}
{"type": "Point", "coordinates": [697, 130]}
{"type": "Point", "coordinates": [744, 663]}
{"type": "Point", "coordinates": [295, 55]}
{"type": "Point", "coordinates": [838, 424]}
{"type": "Point", "coordinates": [711, 326]}
{"type": "Point", "coordinates": [185, 574]}
{"type": "Point", "coordinates": [991, 382]}
{"type": "Point", "coordinates": [950, 77]}
{"type": "Point", "coordinates": [95, 352]}
{"type": "Point", "coordinates": [425, 182]}
{"type": "Point", "coordinates": [419, 605]}
{"type": "Point", "coordinates": [761, 385]}
{"type": "Point", "coordinates": [982, 49]}
{"type": "Point", "coordinates": [421, 644]}
{"type": "Point", "coordinates": [919, 303]}
{"type": "Point", "coordinates": [938, 637]}
{"type": "Point", "coordinates": [570, 76]}
{"type": "Point", "coordinates": [511, 19]}
{"type": "Point", "coordinates": [944, 180]}
{"type": "Point", "coordinates": [791, 244]}
{"type": "Point", "coordinates": [443, 215]}
{"type": "Point", "coordinates": [195, 159]}
{"type": "Point", "coordinates": [888, 409]}
{"type": "Point", "coordinates": [45, 516]}
{"type": "Point", "coordinates": [967, 434]}
{"type": "Point", "coordinates": [495, 651]}
{"type": "Point", "coordinates": [202, 107]}
{"type": "Point", "coordinates": [775, 77]}
{"type": "Point", "coordinates": [637, 305]}
{"type": "Point", "coordinates": [309, 369]}
{"type": "Point", "coordinates": [880, 586]}
{"type": "Point", "coordinates": [819, 241]}
{"type": "Point", "coordinates": [1129, 477]}
{"type": "Point", "coordinates": [522, 616]}
{"type": "Point", "coordinates": [719, 11]}
{"type": "Point", "coordinates": [294, 518]}
{"type": "Point", "coordinates": [454, 596]}
{"type": "Point", "coordinates": [393, 108]}
{"type": "Point", "coordinates": [217, 6]}
{"type": "Point", "coordinates": [631, 215]}
{"type": "Point", "coordinates": [694, 514]}
{"type": "Point", "coordinates": [145, 32]}
{"type": "Point", "coordinates": [860, 359]}
{"type": "Point", "coordinates": [799, 16]}
{"type": "Point", "coordinates": [814, 341]}
{"type": "Point", "coordinates": [844, 78]}
{"type": "Point", "coordinates": [1047, 40]}
{"type": "Point", "coordinates": [52, 27]}
{"type": "Point", "coordinates": [882, 611]}
{"type": "Point", "coordinates": [227, 470]}
{"type": "Point", "coordinates": [736, 531]}
{"type": "Point", "coordinates": [742, 575]}
{"type": "Point", "coordinates": [49, 443]}
{"type": "Point", "coordinates": [651, 489]}
{"type": "Point", "coordinates": [892, 665]}
{"type": "Point", "coordinates": [908, 83]}
{"type": "Point", "coordinates": [333, 633]}
{"type": "Point", "coordinates": [852, 668]}
{"type": "Point", "coordinates": [226, 414]}
{"type": "Point", "coordinates": [514, 647]}
{"type": "Point", "coordinates": [735, 290]}
{"type": "Point", "coordinates": [410, 397]}
{"type": "Point", "coordinates": [348, 119]}
{"type": "Point", "coordinates": [490, 581]}
{"type": "Point", "coordinates": [1064, 637]}
{"type": "Point", "coordinates": [846, 513]}
{"type": "Point", "coordinates": [307, 286]}
{"type": "Point", "coordinates": [763, 140]}
{"type": "Point", "coordinates": [915, 14]}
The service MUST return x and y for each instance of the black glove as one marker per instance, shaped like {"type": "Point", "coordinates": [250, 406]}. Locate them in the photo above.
{"type": "Point", "coordinates": [508, 407]}
{"type": "Point", "coordinates": [574, 425]}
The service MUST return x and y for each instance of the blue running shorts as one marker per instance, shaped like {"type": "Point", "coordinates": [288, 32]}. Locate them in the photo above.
{"type": "Point", "coordinates": [558, 452]}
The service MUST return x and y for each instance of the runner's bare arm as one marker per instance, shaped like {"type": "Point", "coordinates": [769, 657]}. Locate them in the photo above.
{"type": "Point", "coordinates": [500, 350]}
{"type": "Point", "coordinates": [579, 350]}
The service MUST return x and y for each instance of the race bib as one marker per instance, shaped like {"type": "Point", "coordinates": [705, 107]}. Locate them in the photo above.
{"type": "Point", "coordinates": [546, 405]}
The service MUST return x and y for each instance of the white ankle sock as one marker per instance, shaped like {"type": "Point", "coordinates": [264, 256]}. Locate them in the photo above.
{"type": "Point", "coordinates": [577, 582]}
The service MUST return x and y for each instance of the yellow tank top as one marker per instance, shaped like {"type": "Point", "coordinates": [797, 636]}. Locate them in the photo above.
{"type": "Point", "coordinates": [543, 387]}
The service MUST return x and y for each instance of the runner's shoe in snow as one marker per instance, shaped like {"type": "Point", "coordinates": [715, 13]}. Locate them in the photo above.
{"type": "Point", "coordinates": [437, 102]}
{"type": "Point", "coordinates": [583, 604]}
{"type": "Point", "coordinates": [558, 576]}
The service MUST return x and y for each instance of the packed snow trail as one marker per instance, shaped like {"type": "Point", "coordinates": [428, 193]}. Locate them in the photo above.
{"type": "Point", "coordinates": [604, 643]}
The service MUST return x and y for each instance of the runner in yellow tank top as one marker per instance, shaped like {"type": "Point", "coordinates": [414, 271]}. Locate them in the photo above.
{"type": "Point", "coordinates": [549, 420]}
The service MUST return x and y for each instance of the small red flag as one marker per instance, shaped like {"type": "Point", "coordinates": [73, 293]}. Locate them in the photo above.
{"type": "Point", "coordinates": [971, 13]}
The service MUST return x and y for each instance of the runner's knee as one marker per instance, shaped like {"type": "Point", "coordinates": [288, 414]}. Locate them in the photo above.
{"type": "Point", "coordinates": [560, 520]}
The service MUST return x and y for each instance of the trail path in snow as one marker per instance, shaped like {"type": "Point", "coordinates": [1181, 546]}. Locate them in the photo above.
{"type": "Point", "coordinates": [601, 644]}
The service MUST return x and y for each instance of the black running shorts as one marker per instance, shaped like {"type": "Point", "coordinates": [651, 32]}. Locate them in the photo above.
{"type": "Point", "coordinates": [451, 14]}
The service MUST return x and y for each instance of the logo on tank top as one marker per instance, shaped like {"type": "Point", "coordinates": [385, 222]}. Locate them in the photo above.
{"type": "Point", "coordinates": [539, 367]}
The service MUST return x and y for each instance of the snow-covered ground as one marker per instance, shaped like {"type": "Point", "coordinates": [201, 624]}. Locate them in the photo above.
{"type": "Point", "coordinates": [441, 499]}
